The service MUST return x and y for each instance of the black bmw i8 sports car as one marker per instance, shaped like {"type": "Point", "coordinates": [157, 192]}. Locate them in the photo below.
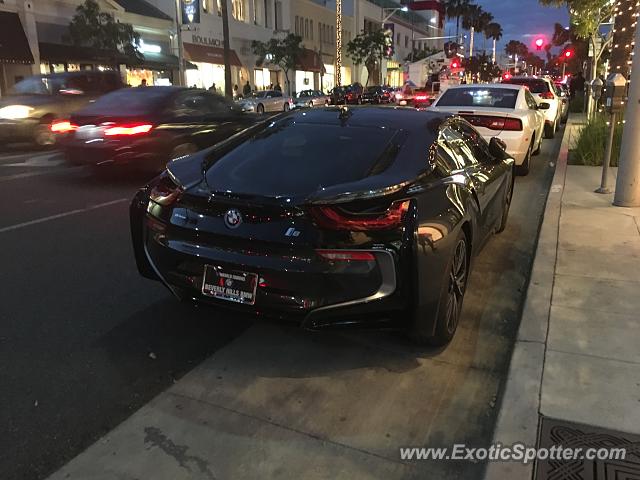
{"type": "Point", "coordinates": [331, 217]}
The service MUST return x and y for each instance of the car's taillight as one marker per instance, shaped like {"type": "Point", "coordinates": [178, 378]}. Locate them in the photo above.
{"type": "Point", "coordinates": [165, 192]}
{"type": "Point", "coordinates": [334, 219]}
{"type": "Point", "coordinates": [421, 97]}
{"type": "Point", "coordinates": [547, 95]}
{"type": "Point", "coordinates": [127, 130]}
{"type": "Point", "coordinates": [494, 123]}
{"type": "Point", "coordinates": [62, 126]}
{"type": "Point", "coordinates": [347, 255]}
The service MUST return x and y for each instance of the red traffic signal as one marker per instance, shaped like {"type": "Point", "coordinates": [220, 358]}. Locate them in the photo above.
{"type": "Point", "coordinates": [568, 54]}
{"type": "Point", "coordinates": [454, 64]}
{"type": "Point", "coordinates": [539, 43]}
{"type": "Point", "coordinates": [506, 76]}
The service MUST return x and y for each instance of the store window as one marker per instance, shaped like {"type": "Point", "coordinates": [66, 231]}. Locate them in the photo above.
{"type": "Point", "coordinates": [406, 41]}
{"type": "Point", "coordinates": [311, 28]}
{"type": "Point", "coordinates": [398, 39]}
{"type": "Point", "coordinates": [277, 7]}
{"type": "Point", "coordinates": [296, 29]}
{"type": "Point", "coordinates": [306, 28]}
{"type": "Point", "coordinates": [238, 10]}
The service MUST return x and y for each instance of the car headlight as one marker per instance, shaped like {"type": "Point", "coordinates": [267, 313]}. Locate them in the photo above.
{"type": "Point", "coordinates": [14, 112]}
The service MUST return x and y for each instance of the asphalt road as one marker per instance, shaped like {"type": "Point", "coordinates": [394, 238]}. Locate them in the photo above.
{"type": "Point", "coordinates": [84, 341]}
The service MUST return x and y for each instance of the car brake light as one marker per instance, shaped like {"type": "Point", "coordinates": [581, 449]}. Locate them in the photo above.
{"type": "Point", "coordinates": [127, 130]}
{"type": "Point", "coordinates": [547, 95]}
{"type": "Point", "coordinates": [347, 255]}
{"type": "Point", "coordinates": [333, 219]}
{"type": "Point", "coordinates": [494, 123]}
{"type": "Point", "coordinates": [165, 192]}
{"type": "Point", "coordinates": [62, 126]}
{"type": "Point", "coordinates": [421, 97]}
{"type": "Point", "coordinates": [512, 124]}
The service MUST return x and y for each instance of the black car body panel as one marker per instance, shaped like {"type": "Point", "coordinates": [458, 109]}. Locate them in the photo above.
{"type": "Point", "coordinates": [308, 265]}
{"type": "Point", "coordinates": [175, 117]}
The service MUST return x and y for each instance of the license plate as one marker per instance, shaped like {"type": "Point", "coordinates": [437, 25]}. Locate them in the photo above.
{"type": "Point", "coordinates": [230, 285]}
{"type": "Point", "coordinates": [89, 132]}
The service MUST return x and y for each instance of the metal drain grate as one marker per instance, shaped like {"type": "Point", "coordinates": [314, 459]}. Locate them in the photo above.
{"type": "Point", "coordinates": [557, 432]}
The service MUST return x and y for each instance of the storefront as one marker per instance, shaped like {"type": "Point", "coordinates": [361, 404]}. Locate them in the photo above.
{"type": "Point", "coordinates": [394, 74]}
{"type": "Point", "coordinates": [308, 70]}
{"type": "Point", "coordinates": [210, 67]}
{"type": "Point", "coordinates": [264, 78]}
{"type": "Point", "coordinates": [15, 54]}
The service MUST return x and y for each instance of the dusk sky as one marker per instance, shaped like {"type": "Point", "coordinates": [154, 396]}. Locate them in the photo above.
{"type": "Point", "coordinates": [522, 20]}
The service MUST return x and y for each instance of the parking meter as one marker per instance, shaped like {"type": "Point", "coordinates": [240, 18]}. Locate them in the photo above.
{"type": "Point", "coordinates": [616, 92]}
{"type": "Point", "coordinates": [596, 88]}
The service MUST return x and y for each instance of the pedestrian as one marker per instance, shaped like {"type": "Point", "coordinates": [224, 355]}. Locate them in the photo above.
{"type": "Point", "coordinates": [143, 83]}
{"type": "Point", "coordinates": [235, 91]}
{"type": "Point", "coordinates": [278, 88]}
{"type": "Point", "coordinates": [577, 85]}
{"type": "Point", "coordinates": [213, 88]}
{"type": "Point", "coordinates": [271, 86]}
{"type": "Point", "coordinates": [246, 90]}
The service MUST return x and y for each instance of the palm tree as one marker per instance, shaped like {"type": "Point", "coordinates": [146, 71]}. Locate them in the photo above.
{"type": "Point", "coordinates": [470, 21]}
{"type": "Point", "coordinates": [455, 9]}
{"type": "Point", "coordinates": [484, 19]}
{"type": "Point", "coordinates": [494, 31]}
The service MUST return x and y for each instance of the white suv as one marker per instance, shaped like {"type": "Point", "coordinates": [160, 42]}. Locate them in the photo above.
{"type": "Point", "coordinates": [543, 91]}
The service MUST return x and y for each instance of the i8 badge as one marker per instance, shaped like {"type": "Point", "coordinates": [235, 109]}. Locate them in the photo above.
{"type": "Point", "coordinates": [233, 218]}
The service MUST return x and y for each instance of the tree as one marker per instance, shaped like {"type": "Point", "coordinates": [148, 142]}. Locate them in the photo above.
{"type": "Point", "coordinates": [481, 67]}
{"type": "Point", "coordinates": [471, 21]}
{"type": "Point", "coordinates": [493, 31]}
{"type": "Point", "coordinates": [586, 17]}
{"type": "Point", "coordinates": [456, 9]}
{"type": "Point", "coordinates": [419, 54]}
{"type": "Point", "coordinates": [366, 48]}
{"type": "Point", "coordinates": [282, 52]}
{"type": "Point", "coordinates": [514, 47]}
{"type": "Point", "coordinates": [90, 27]}
{"type": "Point", "coordinates": [224, 11]}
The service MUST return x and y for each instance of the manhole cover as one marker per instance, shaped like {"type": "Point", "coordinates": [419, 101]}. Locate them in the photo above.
{"type": "Point", "coordinates": [573, 435]}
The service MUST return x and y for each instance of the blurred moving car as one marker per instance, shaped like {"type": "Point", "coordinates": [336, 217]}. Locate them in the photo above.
{"type": "Point", "coordinates": [405, 96]}
{"type": "Point", "coordinates": [508, 112]}
{"type": "Point", "coordinates": [266, 101]}
{"type": "Point", "coordinates": [330, 217]}
{"type": "Point", "coordinates": [311, 98]}
{"type": "Point", "coordinates": [149, 126]}
{"type": "Point", "coordinates": [422, 97]}
{"type": "Point", "coordinates": [376, 94]}
{"type": "Point", "coordinates": [26, 114]}
{"type": "Point", "coordinates": [543, 92]}
{"type": "Point", "coordinates": [349, 94]}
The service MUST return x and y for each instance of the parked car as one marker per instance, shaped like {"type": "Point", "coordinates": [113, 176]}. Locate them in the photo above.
{"type": "Point", "coordinates": [332, 217]}
{"type": "Point", "coordinates": [563, 91]}
{"type": "Point", "coordinates": [147, 127]}
{"type": "Point", "coordinates": [422, 97]}
{"type": "Point", "coordinates": [312, 98]}
{"type": "Point", "coordinates": [349, 94]}
{"type": "Point", "coordinates": [266, 101]}
{"type": "Point", "coordinates": [508, 112]}
{"type": "Point", "coordinates": [543, 91]}
{"type": "Point", "coordinates": [34, 103]}
{"type": "Point", "coordinates": [376, 94]}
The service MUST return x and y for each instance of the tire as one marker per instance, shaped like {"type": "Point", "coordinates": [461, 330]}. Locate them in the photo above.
{"type": "Point", "coordinates": [359, 101]}
{"type": "Point", "coordinates": [537, 150]}
{"type": "Point", "coordinates": [260, 109]}
{"type": "Point", "coordinates": [524, 169]}
{"type": "Point", "coordinates": [506, 206]}
{"type": "Point", "coordinates": [550, 130]}
{"type": "Point", "coordinates": [451, 297]}
{"type": "Point", "coordinates": [326, 103]}
{"type": "Point", "coordinates": [310, 104]}
{"type": "Point", "coordinates": [43, 136]}
{"type": "Point", "coordinates": [286, 107]}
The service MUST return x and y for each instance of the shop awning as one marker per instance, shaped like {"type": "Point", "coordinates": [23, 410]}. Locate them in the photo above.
{"type": "Point", "coordinates": [59, 53]}
{"type": "Point", "coordinates": [310, 61]}
{"type": "Point", "coordinates": [159, 61]}
{"type": "Point", "coordinates": [14, 47]}
{"type": "Point", "coordinates": [207, 54]}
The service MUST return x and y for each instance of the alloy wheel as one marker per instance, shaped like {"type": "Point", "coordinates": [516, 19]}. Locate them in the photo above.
{"type": "Point", "coordinates": [457, 284]}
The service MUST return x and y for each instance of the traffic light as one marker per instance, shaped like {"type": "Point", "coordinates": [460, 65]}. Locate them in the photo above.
{"type": "Point", "coordinates": [568, 53]}
{"type": "Point", "coordinates": [455, 63]}
{"type": "Point", "coordinates": [506, 76]}
{"type": "Point", "coordinates": [389, 32]}
{"type": "Point", "coordinates": [539, 43]}
{"type": "Point", "coordinates": [451, 49]}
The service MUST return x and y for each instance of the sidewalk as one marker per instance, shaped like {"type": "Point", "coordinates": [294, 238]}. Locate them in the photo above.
{"type": "Point", "coordinates": [577, 356]}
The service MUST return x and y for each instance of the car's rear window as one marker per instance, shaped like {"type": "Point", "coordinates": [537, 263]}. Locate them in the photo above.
{"type": "Point", "coordinates": [290, 158]}
{"type": "Point", "coordinates": [135, 101]}
{"type": "Point", "coordinates": [373, 89]}
{"type": "Point", "coordinates": [535, 85]}
{"type": "Point", "coordinates": [479, 97]}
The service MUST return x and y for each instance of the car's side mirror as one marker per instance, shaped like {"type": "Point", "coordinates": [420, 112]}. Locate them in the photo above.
{"type": "Point", "coordinates": [497, 147]}
{"type": "Point", "coordinates": [543, 106]}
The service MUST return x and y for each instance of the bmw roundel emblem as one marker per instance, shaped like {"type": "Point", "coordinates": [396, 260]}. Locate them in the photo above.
{"type": "Point", "coordinates": [233, 218]}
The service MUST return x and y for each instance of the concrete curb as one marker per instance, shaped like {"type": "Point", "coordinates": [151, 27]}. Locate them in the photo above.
{"type": "Point", "coordinates": [519, 411]}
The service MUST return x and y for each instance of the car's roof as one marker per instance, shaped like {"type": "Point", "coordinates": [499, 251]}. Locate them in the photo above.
{"type": "Point", "coordinates": [529, 79]}
{"type": "Point", "coordinates": [409, 119]}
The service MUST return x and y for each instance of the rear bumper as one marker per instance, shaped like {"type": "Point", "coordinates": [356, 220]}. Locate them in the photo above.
{"type": "Point", "coordinates": [517, 143]}
{"type": "Point", "coordinates": [292, 285]}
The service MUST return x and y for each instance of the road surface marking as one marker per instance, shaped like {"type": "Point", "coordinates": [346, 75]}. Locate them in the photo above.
{"type": "Point", "coordinates": [38, 161]}
{"type": "Point", "coordinates": [18, 176]}
{"type": "Point", "coordinates": [61, 215]}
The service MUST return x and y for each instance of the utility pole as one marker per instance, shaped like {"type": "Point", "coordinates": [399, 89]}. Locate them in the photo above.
{"type": "Point", "coordinates": [179, 41]}
{"type": "Point", "coordinates": [628, 181]}
{"type": "Point", "coordinates": [228, 88]}
{"type": "Point", "coordinates": [338, 43]}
